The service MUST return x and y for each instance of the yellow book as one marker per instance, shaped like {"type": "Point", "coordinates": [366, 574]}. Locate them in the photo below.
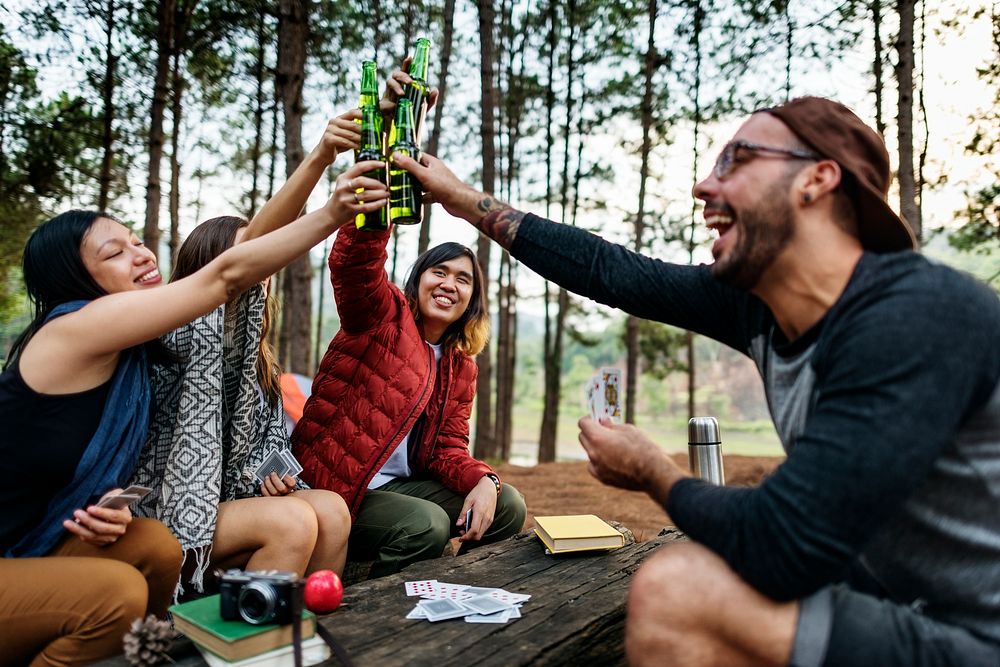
{"type": "Point", "coordinates": [578, 532]}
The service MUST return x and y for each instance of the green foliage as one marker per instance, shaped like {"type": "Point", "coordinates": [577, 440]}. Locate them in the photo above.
{"type": "Point", "coordinates": [980, 228]}
{"type": "Point", "coordinates": [45, 149]}
{"type": "Point", "coordinates": [660, 349]}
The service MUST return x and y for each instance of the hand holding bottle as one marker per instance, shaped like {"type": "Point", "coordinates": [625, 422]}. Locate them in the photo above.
{"type": "Point", "coordinates": [341, 134]}
{"type": "Point", "coordinates": [345, 202]}
{"type": "Point", "coordinates": [438, 181]}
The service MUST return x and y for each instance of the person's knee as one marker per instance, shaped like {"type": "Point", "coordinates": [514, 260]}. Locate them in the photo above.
{"type": "Point", "coordinates": [511, 511]}
{"type": "Point", "coordinates": [424, 531]}
{"type": "Point", "coordinates": [119, 595]}
{"type": "Point", "coordinates": [331, 511]}
{"type": "Point", "coordinates": [298, 527]}
{"type": "Point", "coordinates": [160, 554]}
{"type": "Point", "coordinates": [665, 581]}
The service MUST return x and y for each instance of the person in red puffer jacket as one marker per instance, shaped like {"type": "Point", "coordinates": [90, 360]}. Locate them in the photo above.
{"type": "Point", "coordinates": [387, 424]}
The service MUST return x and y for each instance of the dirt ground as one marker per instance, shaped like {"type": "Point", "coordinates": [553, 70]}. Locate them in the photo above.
{"type": "Point", "coordinates": [567, 488]}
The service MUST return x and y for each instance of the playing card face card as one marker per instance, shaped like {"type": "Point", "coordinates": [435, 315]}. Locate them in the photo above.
{"type": "Point", "coordinates": [611, 383]}
{"type": "Point", "coordinates": [273, 463]}
{"type": "Point", "coordinates": [441, 610]}
{"type": "Point", "coordinates": [419, 587]}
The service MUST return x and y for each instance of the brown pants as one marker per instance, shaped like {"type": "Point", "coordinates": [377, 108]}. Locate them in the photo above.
{"type": "Point", "coordinates": [74, 605]}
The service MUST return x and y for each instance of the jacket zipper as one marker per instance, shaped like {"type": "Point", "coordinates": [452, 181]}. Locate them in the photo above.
{"type": "Point", "coordinates": [440, 421]}
{"type": "Point", "coordinates": [370, 474]}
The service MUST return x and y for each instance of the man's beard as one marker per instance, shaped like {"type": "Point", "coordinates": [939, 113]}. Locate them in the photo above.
{"type": "Point", "coordinates": [763, 232]}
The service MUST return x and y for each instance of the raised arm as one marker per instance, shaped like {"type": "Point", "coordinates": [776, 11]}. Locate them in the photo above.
{"type": "Point", "coordinates": [86, 342]}
{"type": "Point", "coordinates": [464, 201]}
{"type": "Point", "coordinates": [341, 134]}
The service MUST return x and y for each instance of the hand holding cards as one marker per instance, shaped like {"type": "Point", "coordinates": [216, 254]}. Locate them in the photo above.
{"type": "Point", "coordinates": [125, 498]}
{"type": "Point", "coordinates": [280, 462]}
{"type": "Point", "coordinates": [604, 395]}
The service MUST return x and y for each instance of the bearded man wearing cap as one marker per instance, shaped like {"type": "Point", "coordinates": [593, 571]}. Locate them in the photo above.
{"type": "Point", "coordinates": [877, 541]}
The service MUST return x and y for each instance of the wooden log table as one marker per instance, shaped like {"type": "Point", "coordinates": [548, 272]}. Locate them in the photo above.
{"type": "Point", "coordinates": [576, 614]}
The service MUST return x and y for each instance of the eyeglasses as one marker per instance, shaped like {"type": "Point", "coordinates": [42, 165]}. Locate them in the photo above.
{"type": "Point", "coordinates": [727, 160]}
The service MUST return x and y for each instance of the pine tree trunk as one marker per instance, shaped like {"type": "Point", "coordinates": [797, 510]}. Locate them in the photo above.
{"type": "Point", "coordinates": [699, 16]}
{"type": "Point", "coordinates": [553, 325]}
{"type": "Point", "coordinates": [293, 37]}
{"type": "Point", "coordinates": [177, 86]}
{"type": "Point", "coordinates": [632, 323]}
{"type": "Point", "coordinates": [258, 115]}
{"type": "Point", "coordinates": [434, 140]}
{"type": "Point", "coordinates": [879, 86]}
{"type": "Point", "coordinates": [485, 444]}
{"type": "Point", "coordinates": [164, 46]}
{"type": "Point", "coordinates": [108, 91]}
{"type": "Point", "coordinates": [904, 116]}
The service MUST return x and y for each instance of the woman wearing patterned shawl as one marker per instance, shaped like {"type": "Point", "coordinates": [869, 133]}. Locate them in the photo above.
{"type": "Point", "coordinates": [219, 414]}
{"type": "Point", "coordinates": [74, 403]}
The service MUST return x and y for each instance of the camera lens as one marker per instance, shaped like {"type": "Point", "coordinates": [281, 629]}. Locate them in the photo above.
{"type": "Point", "coordinates": [257, 602]}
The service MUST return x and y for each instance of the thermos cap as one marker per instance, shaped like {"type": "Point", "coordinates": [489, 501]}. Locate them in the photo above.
{"type": "Point", "coordinates": [703, 431]}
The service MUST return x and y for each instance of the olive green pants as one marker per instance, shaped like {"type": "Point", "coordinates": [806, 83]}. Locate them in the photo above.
{"type": "Point", "coordinates": [409, 520]}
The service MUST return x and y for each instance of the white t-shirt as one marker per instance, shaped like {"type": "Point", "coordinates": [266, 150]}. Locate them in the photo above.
{"type": "Point", "coordinates": [398, 464]}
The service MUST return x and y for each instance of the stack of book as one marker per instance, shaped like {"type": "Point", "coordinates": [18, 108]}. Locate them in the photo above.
{"type": "Point", "coordinates": [239, 644]}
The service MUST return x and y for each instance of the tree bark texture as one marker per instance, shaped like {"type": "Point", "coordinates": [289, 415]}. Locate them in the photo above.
{"type": "Point", "coordinates": [646, 112]}
{"type": "Point", "coordinates": [293, 37]}
{"type": "Point", "coordinates": [434, 140]}
{"type": "Point", "coordinates": [107, 93]}
{"type": "Point", "coordinates": [485, 444]}
{"type": "Point", "coordinates": [166, 10]}
{"type": "Point", "coordinates": [904, 116]}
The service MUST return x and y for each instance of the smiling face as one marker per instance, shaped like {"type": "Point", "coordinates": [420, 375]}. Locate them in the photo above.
{"type": "Point", "coordinates": [751, 206]}
{"type": "Point", "coordinates": [116, 259]}
{"type": "Point", "coordinates": [443, 294]}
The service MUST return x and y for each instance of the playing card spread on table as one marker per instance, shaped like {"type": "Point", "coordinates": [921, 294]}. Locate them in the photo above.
{"type": "Point", "coordinates": [273, 463]}
{"type": "Point", "coordinates": [501, 616]}
{"type": "Point", "coordinates": [420, 587]}
{"type": "Point", "coordinates": [442, 610]}
{"type": "Point", "coordinates": [442, 601]}
{"type": "Point", "coordinates": [485, 605]}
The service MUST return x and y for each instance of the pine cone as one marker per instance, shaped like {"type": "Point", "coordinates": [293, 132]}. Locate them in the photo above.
{"type": "Point", "coordinates": [148, 642]}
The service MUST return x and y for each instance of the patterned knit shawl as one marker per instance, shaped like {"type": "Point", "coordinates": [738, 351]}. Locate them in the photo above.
{"type": "Point", "coordinates": [211, 425]}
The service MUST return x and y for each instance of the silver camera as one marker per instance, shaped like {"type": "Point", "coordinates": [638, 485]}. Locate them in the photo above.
{"type": "Point", "coordinates": [259, 597]}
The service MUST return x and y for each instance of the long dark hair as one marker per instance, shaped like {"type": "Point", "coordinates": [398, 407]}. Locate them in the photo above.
{"type": "Point", "coordinates": [469, 332]}
{"type": "Point", "coordinates": [54, 272]}
{"type": "Point", "coordinates": [206, 242]}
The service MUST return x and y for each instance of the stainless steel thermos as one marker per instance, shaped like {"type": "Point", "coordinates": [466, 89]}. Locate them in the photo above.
{"type": "Point", "coordinates": [705, 449]}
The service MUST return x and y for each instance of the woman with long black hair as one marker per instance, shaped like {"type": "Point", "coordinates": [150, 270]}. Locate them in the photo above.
{"type": "Point", "coordinates": [74, 404]}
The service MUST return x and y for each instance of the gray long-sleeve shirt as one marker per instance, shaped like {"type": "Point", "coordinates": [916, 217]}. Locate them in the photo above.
{"type": "Point", "coordinates": [888, 408]}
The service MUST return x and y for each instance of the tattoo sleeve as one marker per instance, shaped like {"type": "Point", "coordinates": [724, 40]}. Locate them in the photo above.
{"type": "Point", "coordinates": [500, 221]}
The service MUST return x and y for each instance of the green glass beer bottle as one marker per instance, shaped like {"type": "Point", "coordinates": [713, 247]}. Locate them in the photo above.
{"type": "Point", "coordinates": [416, 91]}
{"type": "Point", "coordinates": [405, 192]}
{"type": "Point", "coordinates": [371, 149]}
{"type": "Point", "coordinates": [369, 94]}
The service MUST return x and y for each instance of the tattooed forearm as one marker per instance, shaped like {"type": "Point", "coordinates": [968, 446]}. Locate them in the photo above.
{"type": "Point", "coordinates": [501, 224]}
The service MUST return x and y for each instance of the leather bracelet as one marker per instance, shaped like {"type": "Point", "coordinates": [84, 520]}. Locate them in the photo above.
{"type": "Point", "coordinates": [496, 481]}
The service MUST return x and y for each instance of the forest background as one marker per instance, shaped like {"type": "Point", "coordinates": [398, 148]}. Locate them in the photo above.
{"type": "Point", "coordinates": [597, 113]}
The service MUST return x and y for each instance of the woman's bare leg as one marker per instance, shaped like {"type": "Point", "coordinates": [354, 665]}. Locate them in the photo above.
{"type": "Point", "coordinates": [277, 533]}
{"type": "Point", "coordinates": [334, 520]}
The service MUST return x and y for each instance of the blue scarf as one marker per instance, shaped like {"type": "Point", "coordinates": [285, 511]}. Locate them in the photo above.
{"type": "Point", "coordinates": [112, 454]}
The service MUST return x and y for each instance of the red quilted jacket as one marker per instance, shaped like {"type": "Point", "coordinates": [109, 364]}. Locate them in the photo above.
{"type": "Point", "coordinates": [377, 378]}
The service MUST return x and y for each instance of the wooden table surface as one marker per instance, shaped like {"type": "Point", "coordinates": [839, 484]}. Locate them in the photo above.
{"type": "Point", "coordinates": [575, 615]}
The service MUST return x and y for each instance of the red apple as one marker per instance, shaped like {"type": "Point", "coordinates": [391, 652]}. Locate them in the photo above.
{"type": "Point", "coordinates": [323, 591]}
